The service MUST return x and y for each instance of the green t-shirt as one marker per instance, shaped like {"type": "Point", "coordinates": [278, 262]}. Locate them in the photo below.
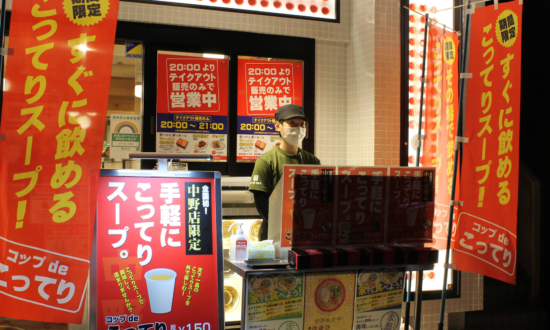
{"type": "Point", "coordinates": [269, 167]}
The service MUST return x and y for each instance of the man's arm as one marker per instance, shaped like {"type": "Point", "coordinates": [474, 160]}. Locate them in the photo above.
{"type": "Point", "coordinates": [261, 199]}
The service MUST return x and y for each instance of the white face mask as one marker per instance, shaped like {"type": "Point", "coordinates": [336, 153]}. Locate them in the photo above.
{"type": "Point", "coordinates": [294, 135]}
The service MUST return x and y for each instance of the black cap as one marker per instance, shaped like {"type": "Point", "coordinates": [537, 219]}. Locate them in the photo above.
{"type": "Point", "coordinates": [289, 111]}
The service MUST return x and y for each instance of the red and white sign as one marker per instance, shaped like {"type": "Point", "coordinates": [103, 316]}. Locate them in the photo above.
{"type": "Point", "coordinates": [54, 110]}
{"type": "Point", "coordinates": [361, 205]}
{"type": "Point", "coordinates": [486, 237]}
{"type": "Point", "coordinates": [157, 253]}
{"type": "Point", "coordinates": [411, 205]}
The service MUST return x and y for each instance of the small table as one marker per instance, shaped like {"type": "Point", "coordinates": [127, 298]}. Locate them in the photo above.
{"type": "Point", "coordinates": [243, 270]}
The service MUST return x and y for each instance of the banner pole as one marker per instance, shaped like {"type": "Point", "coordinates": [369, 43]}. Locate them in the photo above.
{"type": "Point", "coordinates": [451, 211]}
{"type": "Point", "coordinates": [2, 35]}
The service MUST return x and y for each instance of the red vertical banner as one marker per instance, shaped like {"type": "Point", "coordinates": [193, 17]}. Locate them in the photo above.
{"type": "Point", "coordinates": [486, 237]}
{"type": "Point", "coordinates": [53, 118]}
{"type": "Point", "coordinates": [441, 123]}
{"type": "Point", "coordinates": [192, 105]}
{"type": "Point", "coordinates": [264, 86]}
{"type": "Point", "coordinates": [158, 262]}
{"type": "Point", "coordinates": [308, 206]}
{"type": "Point", "coordinates": [361, 205]}
{"type": "Point", "coordinates": [411, 205]}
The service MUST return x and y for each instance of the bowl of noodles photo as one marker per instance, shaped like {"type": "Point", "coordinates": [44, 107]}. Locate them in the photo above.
{"type": "Point", "coordinates": [286, 282]}
{"type": "Point", "coordinates": [262, 285]}
{"type": "Point", "coordinates": [390, 276]}
{"type": "Point", "coordinates": [369, 278]}
{"type": "Point", "coordinates": [330, 295]}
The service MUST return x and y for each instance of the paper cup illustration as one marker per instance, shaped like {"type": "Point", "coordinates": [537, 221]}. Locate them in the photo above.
{"type": "Point", "coordinates": [309, 218]}
{"type": "Point", "coordinates": [160, 287]}
{"type": "Point", "coordinates": [344, 231]}
{"type": "Point", "coordinates": [412, 212]}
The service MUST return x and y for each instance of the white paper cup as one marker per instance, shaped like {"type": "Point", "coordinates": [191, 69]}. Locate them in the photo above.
{"type": "Point", "coordinates": [309, 218]}
{"type": "Point", "coordinates": [412, 213]}
{"type": "Point", "coordinates": [161, 292]}
{"type": "Point", "coordinates": [344, 231]}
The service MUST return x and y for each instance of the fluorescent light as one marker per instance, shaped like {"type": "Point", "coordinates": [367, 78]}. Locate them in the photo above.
{"type": "Point", "coordinates": [213, 56]}
{"type": "Point", "coordinates": [137, 91]}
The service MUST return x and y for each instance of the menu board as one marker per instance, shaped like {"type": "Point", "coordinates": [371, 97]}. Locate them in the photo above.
{"type": "Point", "coordinates": [411, 205]}
{"type": "Point", "coordinates": [379, 296]}
{"type": "Point", "coordinates": [308, 206]}
{"type": "Point", "coordinates": [144, 225]}
{"type": "Point", "coordinates": [264, 86]}
{"type": "Point", "coordinates": [329, 301]}
{"type": "Point", "coordinates": [192, 96]}
{"type": "Point", "coordinates": [361, 205]}
{"type": "Point", "coordinates": [275, 301]}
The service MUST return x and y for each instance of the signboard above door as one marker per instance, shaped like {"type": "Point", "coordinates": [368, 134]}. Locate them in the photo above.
{"type": "Point", "coordinates": [322, 10]}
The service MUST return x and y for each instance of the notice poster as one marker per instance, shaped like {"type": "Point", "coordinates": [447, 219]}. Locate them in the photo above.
{"type": "Point", "coordinates": [329, 301]}
{"type": "Point", "coordinates": [361, 206]}
{"type": "Point", "coordinates": [264, 86]}
{"type": "Point", "coordinates": [192, 105]}
{"type": "Point", "coordinates": [53, 122]}
{"type": "Point", "coordinates": [441, 123]}
{"type": "Point", "coordinates": [308, 206]}
{"type": "Point", "coordinates": [158, 253]}
{"type": "Point", "coordinates": [125, 135]}
{"type": "Point", "coordinates": [275, 302]}
{"type": "Point", "coordinates": [411, 205]}
{"type": "Point", "coordinates": [379, 296]}
{"type": "Point", "coordinates": [486, 236]}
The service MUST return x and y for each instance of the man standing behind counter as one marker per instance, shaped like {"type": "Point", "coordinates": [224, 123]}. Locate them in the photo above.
{"type": "Point", "coordinates": [290, 122]}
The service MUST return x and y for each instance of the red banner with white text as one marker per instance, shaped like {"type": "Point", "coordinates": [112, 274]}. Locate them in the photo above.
{"type": "Point", "coordinates": [486, 237]}
{"type": "Point", "coordinates": [441, 122]}
{"type": "Point", "coordinates": [53, 119]}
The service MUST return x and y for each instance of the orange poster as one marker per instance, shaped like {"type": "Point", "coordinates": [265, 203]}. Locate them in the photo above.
{"type": "Point", "coordinates": [53, 120]}
{"type": "Point", "coordinates": [441, 121]}
{"type": "Point", "coordinates": [486, 237]}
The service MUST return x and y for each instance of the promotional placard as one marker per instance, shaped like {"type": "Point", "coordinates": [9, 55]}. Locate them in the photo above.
{"type": "Point", "coordinates": [441, 123]}
{"type": "Point", "coordinates": [55, 98]}
{"type": "Point", "coordinates": [361, 206]}
{"type": "Point", "coordinates": [379, 297]}
{"type": "Point", "coordinates": [329, 300]}
{"type": "Point", "coordinates": [308, 206]}
{"type": "Point", "coordinates": [159, 259]}
{"type": "Point", "coordinates": [411, 205]}
{"type": "Point", "coordinates": [486, 232]}
{"type": "Point", "coordinates": [275, 301]}
{"type": "Point", "coordinates": [264, 86]}
{"type": "Point", "coordinates": [125, 135]}
{"type": "Point", "coordinates": [192, 105]}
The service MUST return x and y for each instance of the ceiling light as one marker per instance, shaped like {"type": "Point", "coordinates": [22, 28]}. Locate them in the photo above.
{"type": "Point", "coordinates": [213, 56]}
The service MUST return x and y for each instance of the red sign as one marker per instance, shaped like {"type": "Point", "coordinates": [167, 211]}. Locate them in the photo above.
{"type": "Point", "coordinates": [308, 206]}
{"type": "Point", "coordinates": [157, 253]}
{"type": "Point", "coordinates": [486, 238]}
{"type": "Point", "coordinates": [441, 122]}
{"type": "Point", "coordinates": [361, 205]}
{"type": "Point", "coordinates": [264, 86]}
{"type": "Point", "coordinates": [53, 119]}
{"type": "Point", "coordinates": [411, 205]}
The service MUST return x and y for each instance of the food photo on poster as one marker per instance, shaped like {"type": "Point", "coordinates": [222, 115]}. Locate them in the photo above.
{"type": "Point", "coordinates": [157, 254]}
{"type": "Point", "coordinates": [192, 104]}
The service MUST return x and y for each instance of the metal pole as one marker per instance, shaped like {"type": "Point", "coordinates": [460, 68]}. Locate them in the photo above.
{"type": "Point", "coordinates": [418, 300]}
{"type": "Point", "coordinates": [408, 303]}
{"type": "Point", "coordinates": [458, 131]}
{"type": "Point", "coordinates": [2, 32]}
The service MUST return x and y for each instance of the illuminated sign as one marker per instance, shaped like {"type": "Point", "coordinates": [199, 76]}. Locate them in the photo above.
{"type": "Point", "coordinates": [326, 10]}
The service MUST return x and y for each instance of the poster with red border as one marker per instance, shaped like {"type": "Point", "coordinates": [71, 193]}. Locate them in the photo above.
{"type": "Point", "coordinates": [192, 97]}
{"type": "Point", "coordinates": [361, 205]}
{"type": "Point", "coordinates": [56, 92]}
{"type": "Point", "coordinates": [411, 205]}
{"type": "Point", "coordinates": [441, 123]}
{"type": "Point", "coordinates": [308, 206]}
{"type": "Point", "coordinates": [158, 252]}
{"type": "Point", "coordinates": [486, 234]}
{"type": "Point", "coordinates": [264, 86]}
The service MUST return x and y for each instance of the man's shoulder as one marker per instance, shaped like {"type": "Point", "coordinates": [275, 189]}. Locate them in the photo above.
{"type": "Point", "coordinates": [310, 158]}
{"type": "Point", "coordinates": [268, 156]}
